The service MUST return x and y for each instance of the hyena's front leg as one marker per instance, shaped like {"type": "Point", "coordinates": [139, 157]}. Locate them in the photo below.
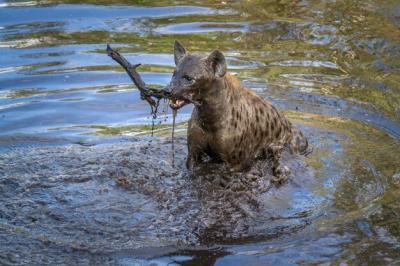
{"type": "Point", "coordinates": [280, 172]}
{"type": "Point", "coordinates": [194, 156]}
{"type": "Point", "coordinates": [197, 143]}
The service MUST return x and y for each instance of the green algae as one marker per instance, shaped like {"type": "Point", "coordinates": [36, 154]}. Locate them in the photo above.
{"type": "Point", "coordinates": [161, 130]}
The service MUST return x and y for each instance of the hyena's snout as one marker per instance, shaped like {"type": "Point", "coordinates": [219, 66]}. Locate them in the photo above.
{"type": "Point", "coordinates": [178, 95]}
{"type": "Point", "coordinates": [178, 88]}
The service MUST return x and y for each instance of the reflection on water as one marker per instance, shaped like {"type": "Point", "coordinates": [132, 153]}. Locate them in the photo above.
{"type": "Point", "coordinates": [78, 188]}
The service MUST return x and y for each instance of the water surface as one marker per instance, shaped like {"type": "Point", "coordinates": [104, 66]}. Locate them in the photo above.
{"type": "Point", "coordinates": [83, 182]}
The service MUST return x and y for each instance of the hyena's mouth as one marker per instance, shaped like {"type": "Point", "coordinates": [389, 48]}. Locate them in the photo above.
{"type": "Point", "coordinates": [183, 100]}
{"type": "Point", "coordinates": [178, 103]}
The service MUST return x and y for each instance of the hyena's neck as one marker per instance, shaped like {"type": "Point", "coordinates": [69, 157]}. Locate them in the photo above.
{"type": "Point", "coordinates": [215, 102]}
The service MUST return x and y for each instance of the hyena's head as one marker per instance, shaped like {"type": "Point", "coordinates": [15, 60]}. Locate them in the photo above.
{"type": "Point", "coordinates": [193, 75]}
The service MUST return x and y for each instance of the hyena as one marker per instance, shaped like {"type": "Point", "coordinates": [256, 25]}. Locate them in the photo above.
{"type": "Point", "coordinates": [229, 122]}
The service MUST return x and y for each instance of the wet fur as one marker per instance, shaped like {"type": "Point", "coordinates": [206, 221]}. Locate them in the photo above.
{"type": "Point", "coordinates": [231, 123]}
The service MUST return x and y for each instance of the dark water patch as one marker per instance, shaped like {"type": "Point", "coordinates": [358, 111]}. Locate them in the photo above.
{"type": "Point", "coordinates": [85, 191]}
{"type": "Point", "coordinates": [112, 208]}
{"type": "Point", "coordinates": [70, 199]}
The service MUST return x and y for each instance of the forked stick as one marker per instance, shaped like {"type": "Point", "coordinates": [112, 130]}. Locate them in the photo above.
{"type": "Point", "coordinates": [152, 96]}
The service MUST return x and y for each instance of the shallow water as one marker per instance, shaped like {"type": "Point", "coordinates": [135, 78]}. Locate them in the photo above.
{"type": "Point", "coordinates": [82, 181]}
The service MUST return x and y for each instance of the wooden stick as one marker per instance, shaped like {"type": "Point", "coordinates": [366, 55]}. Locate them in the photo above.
{"type": "Point", "coordinates": [152, 96]}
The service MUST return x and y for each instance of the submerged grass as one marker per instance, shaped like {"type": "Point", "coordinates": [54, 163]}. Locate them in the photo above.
{"type": "Point", "coordinates": [161, 130]}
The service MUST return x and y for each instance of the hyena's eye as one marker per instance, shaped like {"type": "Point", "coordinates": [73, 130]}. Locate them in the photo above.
{"type": "Point", "coordinates": [188, 78]}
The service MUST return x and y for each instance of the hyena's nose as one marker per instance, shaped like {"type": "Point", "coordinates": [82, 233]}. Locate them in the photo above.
{"type": "Point", "coordinates": [172, 86]}
{"type": "Point", "coordinates": [168, 88]}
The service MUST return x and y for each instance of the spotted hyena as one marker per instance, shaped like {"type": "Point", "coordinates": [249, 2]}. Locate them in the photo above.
{"type": "Point", "coordinates": [229, 122]}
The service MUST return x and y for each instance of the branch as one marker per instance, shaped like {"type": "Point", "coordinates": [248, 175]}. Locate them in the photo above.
{"type": "Point", "coordinates": [145, 93]}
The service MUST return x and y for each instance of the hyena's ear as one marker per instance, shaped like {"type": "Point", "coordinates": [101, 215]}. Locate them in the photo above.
{"type": "Point", "coordinates": [217, 62]}
{"type": "Point", "coordinates": [179, 52]}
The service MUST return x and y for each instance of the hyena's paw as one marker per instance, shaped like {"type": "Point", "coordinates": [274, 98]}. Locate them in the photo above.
{"type": "Point", "coordinates": [281, 175]}
{"type": "Point", "coordinates": [189, 164]}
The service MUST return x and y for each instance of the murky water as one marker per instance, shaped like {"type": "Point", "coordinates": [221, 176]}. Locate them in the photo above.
{"type": "Point", "coordinates": [82, 181]}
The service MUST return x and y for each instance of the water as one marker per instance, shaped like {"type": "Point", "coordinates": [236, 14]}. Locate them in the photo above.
{"type": "Point", "coordinates": [83, 182]}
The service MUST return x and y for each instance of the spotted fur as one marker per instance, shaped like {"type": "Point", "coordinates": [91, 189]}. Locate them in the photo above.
{"type": "Point", "coordinates": [229, 122]}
